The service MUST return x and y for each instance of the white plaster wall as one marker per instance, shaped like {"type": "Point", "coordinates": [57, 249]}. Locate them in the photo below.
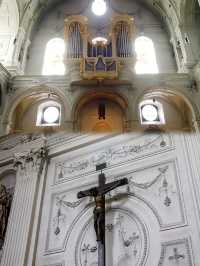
{"type": "Point", "coordinates": [162, 207]}
{"type": "Point", "coordinates": [151, 161]}
{"type": "Point", "coordinates": [52, 25]}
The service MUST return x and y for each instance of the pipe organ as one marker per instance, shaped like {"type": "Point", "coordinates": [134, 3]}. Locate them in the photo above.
{"type": "Point", "coordinates": [75, 41]}
{"type": "Point", "coordinates": [124, 45]}
{"type": "Point", "coordinates": [99, 49]}
{"type": "Point", "coordinates": [100, 56]}
{"type": "Point", "coordinates": [75, 30]}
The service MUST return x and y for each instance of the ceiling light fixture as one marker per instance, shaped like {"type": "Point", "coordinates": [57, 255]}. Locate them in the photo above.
{"type": "Point", "coordinates": [99, 7]}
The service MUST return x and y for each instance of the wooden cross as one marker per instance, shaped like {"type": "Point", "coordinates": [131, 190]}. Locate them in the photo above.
{"type": "Point", "coordinates": [98, 193]}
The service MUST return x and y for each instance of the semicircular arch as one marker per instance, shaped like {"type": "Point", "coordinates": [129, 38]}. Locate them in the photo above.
{"type": "Point", "coordinates": [38, 92]}
{"type": "Point", "coordinates": [91, 96]}
{"type": "Point", "coordinates": [165, 94]}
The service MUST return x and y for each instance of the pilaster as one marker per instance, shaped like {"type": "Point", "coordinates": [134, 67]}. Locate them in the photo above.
{"type": "Point", "coordinates": [192, 147]}
{"type": "Point", "coordinates": [29, 166]}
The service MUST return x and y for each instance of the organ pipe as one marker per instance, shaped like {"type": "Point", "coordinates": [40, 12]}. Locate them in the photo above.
{"type": "Point", "coordinates": [123, 41]}
{"type": "Point", "coordinates": [75, 42]}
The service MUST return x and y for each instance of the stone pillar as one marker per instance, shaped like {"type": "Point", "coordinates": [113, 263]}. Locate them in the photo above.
{"type": "Point", "coordinates": [193, 156]}
{"type": "Point", "coordinates": [24, 56]}
{"type": "Point", "coordinates": [189, 59]}
{"type": "Point", "coordinates": [15, 63]}
{"type": "Point", "coordinates": [29, 166]}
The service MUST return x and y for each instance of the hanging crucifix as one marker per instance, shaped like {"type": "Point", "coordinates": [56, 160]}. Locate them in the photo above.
{"type": "Point", "coordinates": [98, 193]}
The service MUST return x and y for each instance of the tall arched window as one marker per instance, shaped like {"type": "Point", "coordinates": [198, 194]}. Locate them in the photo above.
{"type": "Point", "coordinates": [146, 56]}
{"type": "Point", "coordinates": [53, 59]}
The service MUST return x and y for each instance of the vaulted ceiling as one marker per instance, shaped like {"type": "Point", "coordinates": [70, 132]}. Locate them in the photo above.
{"type": "Point", "coordinates": [179, 17]}
{"type": "Point", "coordinates": [173, 12]}
{"type": "Point", "coordinates": [161, 7]}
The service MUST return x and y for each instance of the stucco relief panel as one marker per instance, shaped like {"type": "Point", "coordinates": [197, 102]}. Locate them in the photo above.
{"type": "Point", "coordinates": [135, 149]}
{"type": "Point", "coordinates": [157, 186]}
{"type": "Point", "coordinates": [126, 238]}
{"type": "Point", "coordinates": [64, 209]}
{"type": "Point", "coordinates": [177, 252]}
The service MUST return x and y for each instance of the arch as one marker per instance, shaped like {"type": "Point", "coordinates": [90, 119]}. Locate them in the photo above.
{"type": "Point", "coordinates": [146, 56]}
{"type": "Point", "coordinates": [92, 97]}
{"type": "Point", "coordinates": [170, 96]}
{"type": "Point", "coordinates": [53, 58]}
{"type": "Point", "coordinates": [9, 26]}
{"type": "Point", "coordinates": [39, 92]}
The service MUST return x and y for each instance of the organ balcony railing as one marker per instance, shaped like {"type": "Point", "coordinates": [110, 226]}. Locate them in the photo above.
{"type": "Point", "coordinates": [99, 68]}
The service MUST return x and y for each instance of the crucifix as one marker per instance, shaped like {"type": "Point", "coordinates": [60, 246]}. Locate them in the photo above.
{"type": "Point", "coordinates": [98, 193]}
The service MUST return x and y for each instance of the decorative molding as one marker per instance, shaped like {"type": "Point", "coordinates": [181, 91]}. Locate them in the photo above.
{"type": "Point", "coordinates": [33, 156]}
{"type": "Point", "coordinates": [9, 142]}
{"type": "Point", "coordinates": [60, 216]}
{"type": "Point", "coordinates": [131, 244]}
{"type": "Point", "coordinates": [29, 161]}
{"type": "Point", "coordinates": [12, 145]}
{"type": "Point", "coordinates": [160, 191]}
{"type": "Point", "coordinates": [56, 264]}
{"type": "Point", "coordinates": [138, 148]}
{"type": "Point", "coordinates": [61, 212]}
{"type": "Point", "coordinates": [177, 252]}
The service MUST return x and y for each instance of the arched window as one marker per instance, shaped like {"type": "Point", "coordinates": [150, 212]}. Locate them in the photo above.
{"type": "Point", "coordinates": [146, 56]}
{"type": "Point", "coordinates": [151, 112]}
{"type": "Point", "coordinates": [53, 60]}
{"type": "Point", "coordinates": [49, 114]}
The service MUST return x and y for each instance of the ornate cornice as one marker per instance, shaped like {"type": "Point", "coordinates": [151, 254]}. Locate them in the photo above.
{"type": "Point", "coordinates": [32, 156]}
{"type": "Point", "coordinates": [30, 162]}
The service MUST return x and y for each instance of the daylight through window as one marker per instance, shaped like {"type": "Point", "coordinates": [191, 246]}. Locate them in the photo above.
{"type": "Point", "coordinates": [53, 60]}
{"type": "Point", "coordinates": [146, 56]}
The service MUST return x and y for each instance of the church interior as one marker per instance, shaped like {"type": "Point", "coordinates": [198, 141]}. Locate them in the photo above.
{"type": "Point", "coordinates": [99, 132]}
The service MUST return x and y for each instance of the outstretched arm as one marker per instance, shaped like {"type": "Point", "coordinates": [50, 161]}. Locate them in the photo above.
{"type": "Point", "coordinates": [110, 186]}
{"type": "Point", "coordinates": [93, 192]}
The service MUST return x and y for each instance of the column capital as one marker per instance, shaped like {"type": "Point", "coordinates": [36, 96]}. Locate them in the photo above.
{"type": "Point", "coordinates": [29, 160]}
